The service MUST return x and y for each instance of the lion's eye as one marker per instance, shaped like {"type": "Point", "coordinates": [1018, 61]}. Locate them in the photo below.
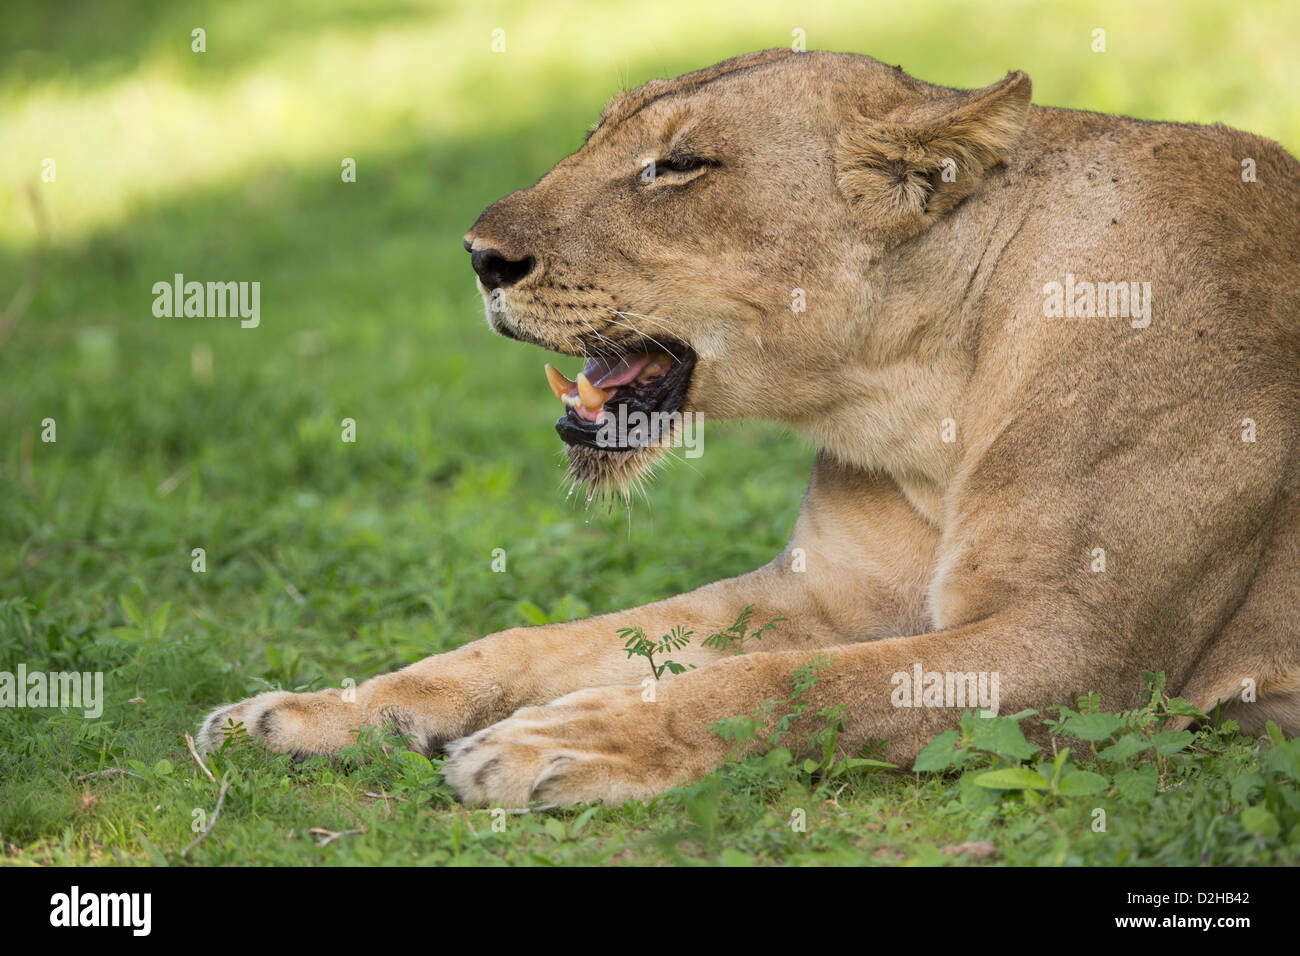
{"type": "Point", "coordinates": [674, 167]}
{"type": "Point", "coordinates": [680, 164]}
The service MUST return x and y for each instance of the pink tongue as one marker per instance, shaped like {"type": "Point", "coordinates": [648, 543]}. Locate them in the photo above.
{"type": "Point", "coordinates": [607, 373]}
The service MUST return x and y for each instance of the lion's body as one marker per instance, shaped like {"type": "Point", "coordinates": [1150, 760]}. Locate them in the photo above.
{"type": "Point", "coordinates": [1064, 500]}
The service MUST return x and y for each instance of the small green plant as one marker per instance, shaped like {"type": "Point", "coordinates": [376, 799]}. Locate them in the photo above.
{"type": "Point", "coordinates": [141, 631]}
{"type": "Point", "coordinates": [822, 744]}
{"type": "Point", "coordinates": [234, 737]}
{"type": "Point", "coordinates": [637, 644]}
{"type": "Point", "coordinates": [1277, 786]}
{"type": "Point", "coordinates": [742, 729]}
{"type": "Point", "coordinates": [371, 745]}
{"type": "Point", "coordinates": [803, 680]}
{"type": "Point", "coordinates": [997, 760]}
{"type": "Point", "coordinates": [736, 633]}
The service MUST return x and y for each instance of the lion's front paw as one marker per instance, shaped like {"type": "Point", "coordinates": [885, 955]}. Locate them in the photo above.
{"type": "Point", "coordinates": [603, 744]}
{"type": "Point", "coordinates": [301, 724]}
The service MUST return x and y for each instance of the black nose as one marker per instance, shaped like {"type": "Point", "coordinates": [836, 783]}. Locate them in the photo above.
{"type": "Point", "coordinates": [496, 271]}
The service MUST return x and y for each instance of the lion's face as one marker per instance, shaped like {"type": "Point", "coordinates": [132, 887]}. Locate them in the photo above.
{"type": "Point", "coordinates": [699, 251]}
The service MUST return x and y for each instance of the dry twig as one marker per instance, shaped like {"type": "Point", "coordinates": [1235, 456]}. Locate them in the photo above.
{"type": "Point", "coordinates": [221, 798]}
{"type": "Point", "coordinates": [189, 742]}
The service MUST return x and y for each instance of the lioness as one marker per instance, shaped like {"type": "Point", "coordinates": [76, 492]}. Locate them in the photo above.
{"type": "Point", "coordinates": [1052, 359]}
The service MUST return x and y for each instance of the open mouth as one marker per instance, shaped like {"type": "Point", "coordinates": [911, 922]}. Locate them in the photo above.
{"type": "Point", "coordinates": [620, 403]}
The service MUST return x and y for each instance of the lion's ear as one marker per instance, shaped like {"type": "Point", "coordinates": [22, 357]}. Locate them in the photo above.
{"type": "Point", "coordinates": [904, 170]}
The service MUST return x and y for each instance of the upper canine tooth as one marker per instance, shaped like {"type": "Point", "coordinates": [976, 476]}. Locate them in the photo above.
{"type": "Point", "coordinates": [560, 385]}
{"type": "Point", "coordinates": [592, 397]}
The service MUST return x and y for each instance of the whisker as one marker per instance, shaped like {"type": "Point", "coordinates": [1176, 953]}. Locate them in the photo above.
{"type": "Point", "coordinates": [633, 328]}
{"type": "Point", "coordinates": [618, 350]}
{"type": "Point", "coordinates": [686, 463]}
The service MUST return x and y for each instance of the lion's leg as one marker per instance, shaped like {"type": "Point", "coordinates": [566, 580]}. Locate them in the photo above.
{"type": "Point", "coordinates": [611, 744]}
{"type": "Point", "coordinates": [449, 695]}
{"type": "Point", "coordinates": [855, 566]}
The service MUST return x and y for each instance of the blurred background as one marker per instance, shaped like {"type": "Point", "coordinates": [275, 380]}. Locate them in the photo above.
{"type": "Point", "coordinates": [325, 559]}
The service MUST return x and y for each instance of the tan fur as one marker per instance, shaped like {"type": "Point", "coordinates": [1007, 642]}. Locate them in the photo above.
{"type": "Point", "coordinates": [924, 313]}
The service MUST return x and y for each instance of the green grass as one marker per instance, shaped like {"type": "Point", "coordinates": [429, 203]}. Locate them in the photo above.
{"type": "Point", "coordinates": [328, 561]}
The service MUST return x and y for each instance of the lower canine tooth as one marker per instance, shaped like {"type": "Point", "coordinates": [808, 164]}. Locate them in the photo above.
{"type": "Point", "coordinates": [592, 397]}
{"type": "Point", "coordinates": [560, 385]}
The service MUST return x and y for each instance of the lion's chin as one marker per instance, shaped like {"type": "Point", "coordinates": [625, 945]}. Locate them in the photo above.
{"type": "Point", "coordinates": [605, 474]}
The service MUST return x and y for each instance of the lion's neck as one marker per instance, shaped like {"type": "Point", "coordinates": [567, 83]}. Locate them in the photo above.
{"type": "Point", "coordinates": [903, 420]}
{"type": "Point", "coordinates": [902, 405]}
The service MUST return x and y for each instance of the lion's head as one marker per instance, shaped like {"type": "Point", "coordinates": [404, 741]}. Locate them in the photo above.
{"type": "Point", "coordinates": [707, 250]}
